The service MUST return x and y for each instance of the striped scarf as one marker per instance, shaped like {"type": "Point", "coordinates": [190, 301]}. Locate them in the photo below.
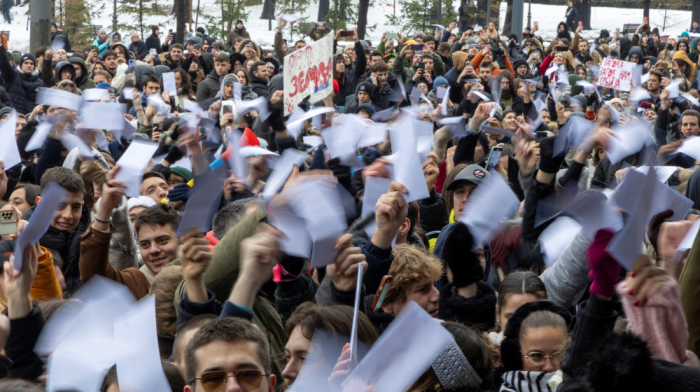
{"type": "Point", "coordinates": [521, 381]}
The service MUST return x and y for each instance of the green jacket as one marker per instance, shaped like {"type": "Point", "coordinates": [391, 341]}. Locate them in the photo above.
{"type": "Point", "coordinates": [406, 71]}
{"type": "Point", "coordinates": [221, 275]}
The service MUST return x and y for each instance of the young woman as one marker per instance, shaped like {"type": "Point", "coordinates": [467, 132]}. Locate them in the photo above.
{"type": "Point", "coordinates": [196, 73]}
{"type": "Point", "coordinates": [243, 76]}
{"type": "Point", "coordinates": [516, 289]}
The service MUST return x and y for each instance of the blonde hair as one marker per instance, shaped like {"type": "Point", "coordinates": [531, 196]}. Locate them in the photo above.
{"type": "Point", "coordinates": [410, 265]}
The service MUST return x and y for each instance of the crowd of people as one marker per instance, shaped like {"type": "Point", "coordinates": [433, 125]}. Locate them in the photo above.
{"type": "Point", "coordinates": [389, 223]}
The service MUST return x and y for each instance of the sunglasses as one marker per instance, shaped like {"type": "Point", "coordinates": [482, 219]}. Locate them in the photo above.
{"type": "Point", "coordinates": [215, 381]}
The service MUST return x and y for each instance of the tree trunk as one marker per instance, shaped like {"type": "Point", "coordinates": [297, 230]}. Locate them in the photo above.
{"type": "Point", "coordinates": [181, 17]}
{"type": "Point", "coordinates": [695, 11]}
{"type": "Point", "coordinates": [141, 16]}
{"type": "Point", "coordinates": [507, 26]}
{"type": "Point", "coordinates": [362, 18]}
{"type": "Point", "coordinates": [584, 11]}
{"type": "Point", "coordinates": [323, 7]}
{"type": "Point", "coordinates": [647, 4]}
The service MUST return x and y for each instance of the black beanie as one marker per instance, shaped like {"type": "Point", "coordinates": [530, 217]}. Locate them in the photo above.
{"type": "Point", "coordinates": [511, 356]}
{"type": "Point", "coordinates": [27, 56]}
{"type": "Point", "coordinates": [456, 252]}
{"type": "Point", "coordinates": [367, 87]}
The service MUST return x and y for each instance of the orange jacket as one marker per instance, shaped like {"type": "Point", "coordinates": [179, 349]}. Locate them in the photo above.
{"type": "Point", "coordinates": [476, 61]}
{"type": "Point", "coordinates": [46, 286]}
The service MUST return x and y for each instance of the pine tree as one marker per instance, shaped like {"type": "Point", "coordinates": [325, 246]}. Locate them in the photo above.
{"type": "Point", "coordinates": [135, 15]}
{"type": "Point", "coordinates": [231, 11]}
{"type": "Point", "coordinates": [75, 17]}
{"type": "Point", "coordinates": [301, 27]}
{"type": "Point", "coordinates": [416, 15]}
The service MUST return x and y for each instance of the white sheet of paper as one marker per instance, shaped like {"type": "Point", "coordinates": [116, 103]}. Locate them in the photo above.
{"type": "Point", "coordinates": [202, 204]}
{"type": "Point", "coordinates": [423, 132]}
{"type": "Point", "coordinates": [445, 100]}
{"type": "Point", "coordinates": [630, 140]}
{"type": "Point", "coordinates": [283, 168]}
{"type": "Point", "coordinates": [482, 96]}
{"type": "Point", "coordinates": [557, 237]}
{"type": "Point", "coordinates": [60, 98]}
{"type": "Point", "coordinates": [645, 77]}
{"type": "Point", "coordinates": [375, 187]}
{"type": "Point", "coordinates": [490, 203]}
{"type": "Point", "coordinates": [296, 240]}
{"type": "Point", "coordinates": [101, 141]}
{"type": "Point", "coordinates": [690, 147]}
{"type": "Point", "coordinates": [373, 134]}
{"type": "Point", "coordinates": [259, 104]}
{"type": "Point", "coordinates": [341, 140]}
{"type": "Point", "coordinates": [416, 94]}
{"type": "Point", "coordinates": [690, 99]}
{"type": "Point", "coordinates": [313, 141]}
{"type": "Point", "coordinates": [39, 137]}
{"type": "Point", "coordinates": [386, 114]}
{"type": "Point", "coordinates": [441, 92]}
{"type": "Point", "coordinates": [290, 18]}
{"type": "Point", "coordinates": [133, 162]}
{"type": "Point", "coordinates": [71, 141]}
{"type": "Point", "coordinates": [139, 370]}
{"type": "Point", "coordinates": [128, 93]}
{"type": "Point", "coordinates": [294, 126]}
{"type": "Point", "coordinates": [687, 241]}
{"type": "Point", "coordinates": [95, 94]}
{"type": "Point", "coordinates": [406, 161]}
{"type": "Point", "coordinates": [662, 172]}
{"type": "Point", "coordinates": [626, 245]}
{"type": "Point", "coordinates": [52, 197]}
{"type": "Point", "coordinates": [9, 152]}
{"type": "Point", "coordinates": [236, 161]}
{"type": "Point", "coordinates": [191, 106]}
{"type": "Point", "coordinates": [398, 358]}
{"type": "Point", "coordinates": [457, 125]}
{"type": "Point", "coordinates": [169, 83]}
{"type": "Point", "coordinates": [593, 212]}
{"type": "Point", "coordinates": [99, 115]}
{"type": "Point", "coordinates": [673, 88]}
{"type": "Point", "coordinates": [157, 101]}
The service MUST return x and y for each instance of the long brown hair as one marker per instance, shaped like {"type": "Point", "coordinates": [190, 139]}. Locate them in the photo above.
{"type": "Point", "coordinates": [186, 89]}
{"type": "Point", "coordinates": [447, 195]}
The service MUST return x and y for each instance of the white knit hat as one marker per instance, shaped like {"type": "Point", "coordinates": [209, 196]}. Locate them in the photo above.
{"type": "Point", "coordinates": [141, 201]}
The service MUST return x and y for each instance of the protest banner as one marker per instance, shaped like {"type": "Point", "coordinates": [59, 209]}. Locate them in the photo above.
{"type": "Point", "coordinates": [308, 72]}
{"type": "Point", "coordinates": [616, 74]}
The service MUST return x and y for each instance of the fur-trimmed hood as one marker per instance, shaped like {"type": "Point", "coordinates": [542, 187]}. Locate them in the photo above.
{"type": "Point", "coordinates": [478, 312]}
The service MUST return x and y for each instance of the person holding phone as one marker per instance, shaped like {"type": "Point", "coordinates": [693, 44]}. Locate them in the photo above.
{"type": "Point", "coordinates": [153, 41]}
{"type": "Point", "coordinates": [467, 15]}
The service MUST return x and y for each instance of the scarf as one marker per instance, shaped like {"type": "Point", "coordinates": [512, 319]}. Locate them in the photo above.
{"type": "Point", "coordinates": [521, 381]}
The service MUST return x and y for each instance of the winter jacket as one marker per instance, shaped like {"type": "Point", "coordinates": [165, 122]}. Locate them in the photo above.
{"type": "Point", "coordinates": [351, 77]}
{"type": "Point", "coordinates": [46, 286]}
{"type": "Point", "coordinates": [140, 49]}
{"type": "Point", "coordinates": [94, 260]}
{"type": "Point", "coordinates": [24, 333]}
{"type": "Point", "coordinates": [5, 101]}
{"type": "Point", "coordinates": [279, 52]}
{"type": "Point", "coordinates": [83, 82]}
{"type": "Point", "coordinates": [60, 41]}
{"type": "Point", "coordinates": [567, 280]}
{"type": "Point", "coordinates": [689, 289]}
{"type": "Point", "coordinates": [166, 60]}
{"type": "Point", "coordinates": [259, 86]}
{"type": "Point", "coordinates": [153, 42]}
{"type": "Point", "coordinates": [571, 15]}
{"type": "Point", "coordinates": [102, 45]}
{"type": "Point", "coordinates": [22, 88]}
{"type": "Point", "coordinates": [235, 33]}
{"type": "Point", "coordinates": [209, 87]}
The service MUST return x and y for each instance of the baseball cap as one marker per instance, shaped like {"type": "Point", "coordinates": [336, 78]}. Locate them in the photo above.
{"type": "Point", "coordinates": [472, 173]}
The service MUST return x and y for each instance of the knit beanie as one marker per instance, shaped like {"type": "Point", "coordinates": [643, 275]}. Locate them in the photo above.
{"type": "Point", "coordinates": [510, 345]}
{"type": "Point", "coordinates": [439, 81]}
{"type": "Point", "coordinates": [367, 107]}
{"type": "Point", "coordinates": [182, 172]}
{"type": "Point", "coordinates": [28, 56]}
{"type": "Point", "coordinates": [456, 252]}
{"type": "Point", "coordinates": [367, 87]}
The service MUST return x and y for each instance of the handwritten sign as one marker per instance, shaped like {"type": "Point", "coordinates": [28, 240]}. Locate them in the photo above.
{"type": "Point", "coordinates": [616, 74]}
{"type": "Point", "coordinates": [308, 72]}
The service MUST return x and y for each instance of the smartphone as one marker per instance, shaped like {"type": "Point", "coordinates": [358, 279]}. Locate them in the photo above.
{"type": "Point", "coordinates": [346, 33]}
{"type": "Point", "coordinates": [416, 47]}
{"type": "Point", "coordinates": [152, 51]}
{"type": "Point", "coordinates": [112, 91]}
{"type": "Point", "coordinates": [562, 48]}
{"type": "Point", "coordinates": [537, 24]}
{"type": "Point", "coordinates": [8, 222]}
{"type": "Point", "coordinates": [249, 44]}
{"type": "Point", "coordinates": [421, 65]}
{"type": "Point", "coordinates": [381, 292]}
{"type": "Point", "coordinates": [617, 29]}
{"type": "Point", "coordinates": [539, 135]}
{"type": "Point", "coordinates": [391, 36]}
{"type": "Point", "coordinates": [494, 156]}
{"type": "Point", "coordinates": [132, 63]}
{"type": "Point", "coordinates": [646, 19]}
{"type": "Point", "coordinates": [170, 31]}
{"type": "Point", "coordinates": [227, 107]}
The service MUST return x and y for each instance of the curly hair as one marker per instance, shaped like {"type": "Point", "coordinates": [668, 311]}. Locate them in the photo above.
{"type": "Point", "coordinates": [410, 265]}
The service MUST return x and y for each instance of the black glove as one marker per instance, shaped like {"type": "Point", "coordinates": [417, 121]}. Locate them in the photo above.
{"type": "Point", "coordinates": [174, 154]}
{"type": "Point", "coordinates": [549, 163]}
{"type": "Point", "coordinates": [181, 192]}
{"type": "Point", "coordinates": [457, 253]}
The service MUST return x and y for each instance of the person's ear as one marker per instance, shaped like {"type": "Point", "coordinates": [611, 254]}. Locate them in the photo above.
{"type": "Point", "coordinates": [405, 227]}
{"type": "Point", "coordinates": [271, 386]}
{"type": "Point", "coordinates": [188, 388]}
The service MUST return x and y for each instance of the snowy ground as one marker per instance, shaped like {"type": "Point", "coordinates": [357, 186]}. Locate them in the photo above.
{"type": "Point", "coordinates": [548, 17]}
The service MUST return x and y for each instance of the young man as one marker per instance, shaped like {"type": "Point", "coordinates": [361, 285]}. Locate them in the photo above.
{"type": "Point", "coordinates": [154, 186]}
{"type": "Point", "coordinates": [136, 205]}
{"type": "Point", "coordinates": [582, 50]}
{"type": "Point", "coordinates": [151, 85]}
{"type": "Point", "coordinates": [153, 41]}
{"type": "Point", "coordinates": [239, 31]}
{"type": "Point", "coordinates": [212, 83]}
{"type": "Point", "coordinates": [259, 78]}
{"type": "Point", "coordinates": [654, 86]}
{"type": "Point", "coordinates": [382, 92]}
{"type": "Point", "coordinates": [110, 61]}
{"type": "Point", "coordinates": [174, 58]}
{"type": "Point", "coordinates": [21, 83]}
{"type": "Point", "coordinates": [229, 354]}
{"type": "Point", "coordinates": [82, 76]}
{"type": "Point", "coordinates": [69, 222]}
{"type": "Point", "coordinates": [365, 92]}
{"type": "Point", "coordinates": [62, 70]}
{"type": "Point", "coordinates": [156, 229]}
{"type": "Point", "coordinates": [185, 333]}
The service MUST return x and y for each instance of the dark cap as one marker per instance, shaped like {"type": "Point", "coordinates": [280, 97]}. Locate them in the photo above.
{"type": "Point", "coordinates": [472, 173]}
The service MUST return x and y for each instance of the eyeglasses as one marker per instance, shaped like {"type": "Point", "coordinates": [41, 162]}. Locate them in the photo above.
{"type": "Point", "coordinates": [215, 381]}
{"type": "Point", "coordinates": [528, 45]}
{"type": "Point", "coordinates": [537, 359]}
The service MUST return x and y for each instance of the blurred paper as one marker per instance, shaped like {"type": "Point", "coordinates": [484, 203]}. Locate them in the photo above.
{"type": "Point", "coordinates": [128, 93]}
{"type": "Point", "coordinates": [690, 147]}
{"type": "Point", "coordinates": [341, 140]}
{"type": "Point", "coordinates": [662, 172]}
{"type": "Point", "coordinates": [139, 370]}
{"type": "Point", "coordinates": [423, 132]}
{"type": "Point", "coordinates": [95, 94]}
{"type": "Point", "coordinates": [9, 152]}
{"type": "Point", "coordinates": [490, 203]}
{"type": "Point", "coordinates": [593, 212]}
{"type": "Point", "coordinates": [283, 168]}
{"type": "Point", "coordinates": [98, 115]}
{"type": "Point", "coordinates": [372, 135]}
{"type": "Point", "coordinates": [39, 137]}
{"type": "Point", "coordinates": [690, 99]}
{"type": "Point", "coordinates": [259, 104]}
{"type": "Point", "coordinates": [59, 98]}
{"type": "Point", "coordinates": [406, 161]}
{"type": "Point", "coordinates": [356, 309]}
{"type": "Point", "coordinates": [296, 240]}
{"type": "Point", "coordinates": [386, 114]}
{"type": "Point", "coordinates": [375, 187]}
{"type": "Point", "coordinates": [441, 92]}
{"type": "Point", "coordinates": [445, 100]}
{"type": "Point", "coordinates": [157, 101]}
{"type": "Point", "coordinates": [203, 202]}
{"type": "Point", "coordinates": [687, 241]}
{"type": "Point", "coordinates": [52, 199]}
{"type": "Point", "coordinates": [629, 141]}
{"type": "Point", "coordinates": [290, 18]}
{"type": "Point", "coordinates": [169, 84]}
{"type": "Point", "coordinates": [557, 237]}
{"type": "Point", "coordinates": [133, 162]}
{"type": "Point", "coordinates": [403, 352]}
{"type": "Point", "coordinates": [294, 126]}
{"type": "Point", "coordinates": [236, 161]}
{"type": "Point", "coordinates": [313, 141]}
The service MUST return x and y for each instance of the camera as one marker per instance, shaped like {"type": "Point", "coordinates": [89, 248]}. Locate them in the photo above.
{"type": "Point", "coordinates": [497, 52]}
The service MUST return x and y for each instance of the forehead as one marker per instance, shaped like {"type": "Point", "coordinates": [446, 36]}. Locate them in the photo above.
{"type": "Point", "coordinates": [73, 198]}
{"type": "Point", "coordinates": [149, 232]}
{"type": "Point", "coordinates": [227, 356]}
{"type": "Point", "coordinates": [152, 181]}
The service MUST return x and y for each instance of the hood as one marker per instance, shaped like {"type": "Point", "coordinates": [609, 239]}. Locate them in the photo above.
{"type": "Point", "coordinates": [651, 58]}
{"type": "Point", "coordinates": [276, 83]}
{"type": "Point", "coordinates": [459, 60]}
{"type": "Point", "coordinates": [690, 68]}
{"type": "Point", "coordinates": [275, 63]}
{"type": "Point", "coordinates": [638, 51]}
{"type": "Point", "coordinates": [231, 78]}
{"type": "Point", "coordinates": [126, 50]}
{"type": "Point", "coordinates": [566, 28]}
{"type": "Point", "coordinates": [159, 70]}
{"type": "Point", "coordinates": [60, 66]}
{"type": "Point", "coordinates": [694, 46]}
{"type": "Point", "coordinates": [141, 72]}
{"type": "Point", "coordinates": [83, 66]}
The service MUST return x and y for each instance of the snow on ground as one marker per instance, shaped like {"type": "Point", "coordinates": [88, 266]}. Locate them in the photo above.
{"type": "Point", "coordinates": [548, 17]}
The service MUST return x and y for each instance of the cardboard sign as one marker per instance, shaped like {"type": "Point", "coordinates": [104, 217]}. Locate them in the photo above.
{"type": "Point", "coordinates": [616, 74]}
{"type": "Point", "coordinates": [308, 72]}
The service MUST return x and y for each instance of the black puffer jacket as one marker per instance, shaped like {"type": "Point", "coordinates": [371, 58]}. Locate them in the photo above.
{"type": "Point", "coordinates": [22, 88]}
